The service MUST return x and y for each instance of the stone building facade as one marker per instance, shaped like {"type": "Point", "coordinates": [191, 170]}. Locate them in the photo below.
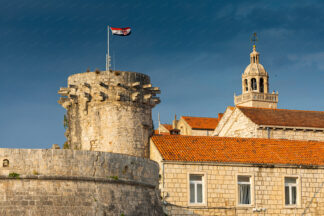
{"type": "Point", "coordinates": [260, 160]}
{"type": "Point", "coordinates": [284, 177]}
{"type": "Point", "coordinates": [271, 123]}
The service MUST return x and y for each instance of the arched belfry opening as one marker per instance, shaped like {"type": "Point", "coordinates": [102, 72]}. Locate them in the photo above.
{"type": "Point", "coordinates": [253, 84]}
{"type": "Point", "coordinates": [246, 87]}
{"type": "Point", "coordinates": [261, 85]}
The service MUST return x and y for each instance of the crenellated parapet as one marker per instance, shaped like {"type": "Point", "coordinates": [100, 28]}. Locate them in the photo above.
{"type": "Point", "coordinates": [109, 111]}
{"type": "Point", "coordinates": [107, 87]}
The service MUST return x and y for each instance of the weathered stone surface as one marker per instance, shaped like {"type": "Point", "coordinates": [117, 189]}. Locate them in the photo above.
{"type": "Point", "coordinates": [110, 111]}
{"type": "Point", "coordinates": [69, 182]}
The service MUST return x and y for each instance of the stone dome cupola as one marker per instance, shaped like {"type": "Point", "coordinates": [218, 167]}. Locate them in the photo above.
{"type": "Point", "coordinates": [255, 84]}
{"type": "Point", "coordinates": [255, 77]}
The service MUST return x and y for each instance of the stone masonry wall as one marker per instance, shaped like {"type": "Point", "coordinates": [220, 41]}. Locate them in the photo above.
{"type": "Point", "coordinates": [220, 186]}
{"type": "Point", "coordinates": [201, 132]}
{"type": "Point", "coordinates": [184, 127]}
{"type": "Point", "coordinates": [110, 111]}
{"type": "Point", "coordinates": [291, 134]}
{"type": "Point", "coordinates": [223, 121]}
{"type": "Point", "coordinates": [238, 125]}
{"type": "Point", "coordinates": [69, 182]}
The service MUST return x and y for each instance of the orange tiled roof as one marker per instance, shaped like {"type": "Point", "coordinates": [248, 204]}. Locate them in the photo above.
{"type": "Point", "coordinates": [167, 126]}
{"type": "Point", "coordinates": [284, 117]}
{"type": "Point", "coordinates": [201, 122]}
{"type": "Point", "coordinates": [239, 150]}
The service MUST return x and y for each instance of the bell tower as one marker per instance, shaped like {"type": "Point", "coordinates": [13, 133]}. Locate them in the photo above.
{"type": "Point", "coordinates": [255, 84]}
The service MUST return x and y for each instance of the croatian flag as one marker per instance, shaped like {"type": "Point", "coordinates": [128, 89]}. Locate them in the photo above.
{"type": "Point", "coordinates": [121, 31]}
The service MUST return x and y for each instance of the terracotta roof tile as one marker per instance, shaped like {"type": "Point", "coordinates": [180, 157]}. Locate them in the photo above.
{"type": "Point", "coordinates": [201, 122]}
{"type": "Point", "coordinates": [284, 117]}
{"type": "Point", "coordinates": [167, 126]}
{"type": "Point", "coordinates": [239, 150]}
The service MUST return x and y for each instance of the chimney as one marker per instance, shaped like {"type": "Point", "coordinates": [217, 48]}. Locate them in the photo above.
{"type": "Point", "coordinates": [175, 131]}
{"type": "Point", "coordinates": [220, 115]}
{"type": "Point", "coordinates": [175, 122]}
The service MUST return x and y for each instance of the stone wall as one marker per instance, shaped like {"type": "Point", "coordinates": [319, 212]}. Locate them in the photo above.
{"type": "Point", "coordinates": [69, 182]}
{"type": "Point", "coordinates": [236, 124]}
{"type": "Point", "coordinates": [291, 134]}
{"type": "Point", "coordinates": [109, 111]}
{"type": "Point", "coordinates": [184, 127]}
{"type": "Point", "coordinates": [195, 132]}
{"type": "Point", "coordinates": [220, 186]}
{"type": "Point", "coordinates": [223, 121]}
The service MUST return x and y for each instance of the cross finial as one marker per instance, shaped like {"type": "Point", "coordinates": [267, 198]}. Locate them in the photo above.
{"type": "Point", "coordinates": [254, 38]}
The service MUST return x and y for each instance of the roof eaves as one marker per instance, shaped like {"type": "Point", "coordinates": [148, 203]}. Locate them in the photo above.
{"type": "Point", "coordinates": [291, 127]}
{"type": "Point", "coordinates": [260, 165]}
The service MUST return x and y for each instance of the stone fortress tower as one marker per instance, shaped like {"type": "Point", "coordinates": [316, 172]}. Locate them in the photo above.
{"type": "Point", "coordinates": [255, 85]}
{"type": "Point", "coordinates": [110, 111]}
{"type": "Point", "coordinates": [104, 168]}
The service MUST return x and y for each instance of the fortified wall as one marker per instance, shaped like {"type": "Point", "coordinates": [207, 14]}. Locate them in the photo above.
{"type": "Point", "coordinates": [69, 182]}
{"type": "Point", "coordinates": [103, 168]}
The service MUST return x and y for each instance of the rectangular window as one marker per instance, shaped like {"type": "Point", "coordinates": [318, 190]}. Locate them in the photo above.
{"type": "Point", "coordinates": [290, 190]}
{"type": "Point", "coordinates": [244, 190]}
{"type": "Point", "coordinates": [196, 189]}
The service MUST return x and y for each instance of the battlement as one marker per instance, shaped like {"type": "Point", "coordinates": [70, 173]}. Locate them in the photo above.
{"type": "Point", "coordinates": [108, 86]}
{"type": "Point", "coordinates": [109, 111]}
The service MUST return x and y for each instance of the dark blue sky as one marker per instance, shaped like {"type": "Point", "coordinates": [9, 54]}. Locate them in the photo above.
{"type": "Point", "coordinates": [195, 51]}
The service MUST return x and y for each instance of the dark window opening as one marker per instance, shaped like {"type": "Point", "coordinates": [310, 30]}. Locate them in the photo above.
{"type": "Point", "coordinates": [253, 84]}
{"type": "Point", "coordinates": [5, 163]}
{"type": "Point", "coordinates": [261, 85]}
{"type": "Point", "coordinates": [246, 85]}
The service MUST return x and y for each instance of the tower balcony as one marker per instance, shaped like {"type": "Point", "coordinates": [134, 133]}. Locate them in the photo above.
{"type": "Point", "coordinates": [255, 97]}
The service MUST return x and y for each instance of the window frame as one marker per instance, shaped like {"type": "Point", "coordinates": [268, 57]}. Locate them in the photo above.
{"type": "Point", "coordinates": [298, 191]}
{"type": "Point", "coordinates": [204, 188]}
{"type": "Point", "coordinates": [251, 189]}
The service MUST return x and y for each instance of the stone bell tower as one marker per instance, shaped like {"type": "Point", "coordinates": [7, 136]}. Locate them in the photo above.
{"type": "Point", "coordinates": [109, 111]}
{"type": "Point", "coordinates": [255, 85]}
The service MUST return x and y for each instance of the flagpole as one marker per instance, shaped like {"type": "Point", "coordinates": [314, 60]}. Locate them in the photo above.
{"type": "Point", "coordinates": [107, 57]}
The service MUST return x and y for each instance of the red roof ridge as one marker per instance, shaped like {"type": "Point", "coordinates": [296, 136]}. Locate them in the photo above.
{"type": "Point", "coordinates": [167, 126]}
{"type": "Point", "coordinates": [198, 117]}
{"type": "Point", "coordinates": [208, 123]}
{"type": "Point", "coordinates": [246, 138]}
{"type": "Point", "coordinates": [284, 117]}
